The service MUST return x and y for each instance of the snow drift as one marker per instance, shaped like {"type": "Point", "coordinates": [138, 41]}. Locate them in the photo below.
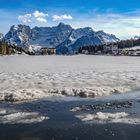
{"type": "Point", "coordinates": [16, 117]}
{"type": "Point", "coordinates": [101, 117]}
{"type": "Point", "coordinates": [29, 78]}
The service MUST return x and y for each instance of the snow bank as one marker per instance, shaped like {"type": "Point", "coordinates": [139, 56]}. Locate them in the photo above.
{"type": "Point", "coordinates": [16, 117]}
{"type": "Point", "coordinates": [26, 78]}
{"type": "Point", "coordinates": [32, 94]}
{"type": "Point", "coordinates": [22, 117]}
{"type": "Point", "coordinates": [21, 95]}
{"type": "Point", "coordinates": [2, 111]}
{"type": "Point", "coordinates": [100, 117]}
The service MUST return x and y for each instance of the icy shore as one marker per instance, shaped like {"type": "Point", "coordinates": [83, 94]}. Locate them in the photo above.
{"type": "Point", "coordinates": [27, 78]}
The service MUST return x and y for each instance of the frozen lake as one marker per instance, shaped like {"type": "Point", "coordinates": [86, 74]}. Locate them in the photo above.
{"type": "Point", "coordinates": [109, 118]}
{"type": "Point", "coordinates": [33, 77]}
{"type": "Point", "coordinates": [29, 78]}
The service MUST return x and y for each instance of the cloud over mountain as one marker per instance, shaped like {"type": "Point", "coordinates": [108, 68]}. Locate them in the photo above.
{"type": "Point", "coordinates": [61, 17]}
{"type": "Point", "coordinates": [25, 18]}
{"type": "Point", "coordinates": [35, 16]}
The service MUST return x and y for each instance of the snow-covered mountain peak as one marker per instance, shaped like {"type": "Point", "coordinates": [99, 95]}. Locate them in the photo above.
{"type": "Point", "coordinates": [61, 37]}
{"type": "Point", "coordinates": [61, 24]}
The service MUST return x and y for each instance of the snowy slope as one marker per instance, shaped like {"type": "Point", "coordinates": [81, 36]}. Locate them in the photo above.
{"type": "Point", "coordinates": [19, 35]}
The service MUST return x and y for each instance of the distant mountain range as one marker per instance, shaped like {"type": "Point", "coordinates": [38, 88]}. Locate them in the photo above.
{"type": "Point", "coordinates": [62, 37]}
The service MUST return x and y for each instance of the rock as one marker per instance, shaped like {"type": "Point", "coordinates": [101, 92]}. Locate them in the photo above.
{"type": "Point", "coordinates": [83, 94]}
{"type": "Point", "coordinates": [114, 105]}
{"type": "Point", "coordinates": [9, 98]}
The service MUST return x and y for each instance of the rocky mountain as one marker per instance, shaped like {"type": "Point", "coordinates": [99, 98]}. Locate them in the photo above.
{"type": "Point", "coordinates": [136, 37]}
{"type": "Point", "coordinates": [62, 37]}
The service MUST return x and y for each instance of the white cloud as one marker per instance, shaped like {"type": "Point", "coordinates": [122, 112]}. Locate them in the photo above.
{"type": "Point", "coordinates": [123, 25]}
{"type": "Point", "coordinates": [61, 17]}
{"type": "Point", "coordinates": [33, 17]}
{"type": "Point", "coordinates": [25, 18]}
{"type": "Point", "coordinates": [38, 14]}
{"type": "Point", "coordinates": [41, 19]}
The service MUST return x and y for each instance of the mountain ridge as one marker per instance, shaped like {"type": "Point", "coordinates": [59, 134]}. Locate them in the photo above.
{"type": "Point", "coordinates": [63, 37]}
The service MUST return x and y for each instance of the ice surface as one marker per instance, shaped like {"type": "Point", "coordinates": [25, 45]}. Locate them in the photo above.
{"type": "Point", "coordinates": [101, 117]}
{"type": "Point", "coordinates": [34, 77]}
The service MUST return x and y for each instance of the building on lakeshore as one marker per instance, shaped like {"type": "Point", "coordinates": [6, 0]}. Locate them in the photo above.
{"type": "Point", "coordinates": [111, 48]}
{"type": "Point", "coordinates": [133, 51]}
{"type": "Point", "coordinates": [48, 51]}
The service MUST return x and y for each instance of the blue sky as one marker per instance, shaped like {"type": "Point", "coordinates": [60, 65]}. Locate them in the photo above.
{"type": "Point", "coordinates": [118, 17]}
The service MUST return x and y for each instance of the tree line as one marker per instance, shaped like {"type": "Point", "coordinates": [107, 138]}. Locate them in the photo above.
{"type": "Point", "coordinates": [100, 48]}
{"type": "Point", "coordinates": [128, 43]}
{"type": "Point", "coordinates": [8, 49]}
{"type": "Point", "coordinates": [4, 48]}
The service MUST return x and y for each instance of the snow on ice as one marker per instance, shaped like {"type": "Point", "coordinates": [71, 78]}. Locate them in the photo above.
{"type": "Point", "coordinates": [101, 117]}
{"type": "Point", "coordinates": [34, 77]}
{"type": "Point", "coordinates": [15, 117]}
